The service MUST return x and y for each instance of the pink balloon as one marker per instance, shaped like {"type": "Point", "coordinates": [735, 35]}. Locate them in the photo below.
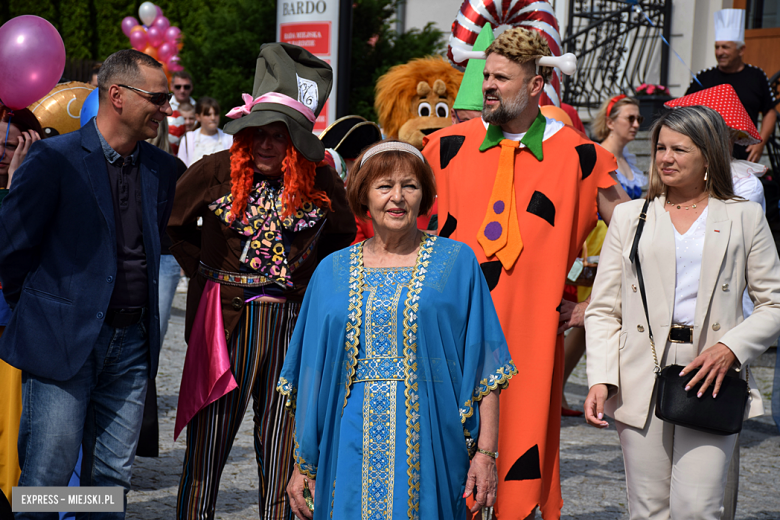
{"type": "Point", "coordinates": [159, 10]}
{"type": "Point", "coordinates": [166, 51]}
{"type": "Point", "coordinates": [162, 23]}
{"type": "Point", "coordinates": [128, 23]}
{"type": "Point", "coordinates": [155, 36]}
{"type": "Point", "coordinates": [174, 64]}
{"type": "Point", "coordinates": [139, 40]}
{"type": "Point", "coordinates": [32, 59]}
{"type": "Point", "coordinates": [172, 34]}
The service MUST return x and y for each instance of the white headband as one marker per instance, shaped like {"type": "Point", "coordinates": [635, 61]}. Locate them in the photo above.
{"type": "Point", "coordinates": [566, 63]}
{"type": "Point", "coordinates": [391, 146]}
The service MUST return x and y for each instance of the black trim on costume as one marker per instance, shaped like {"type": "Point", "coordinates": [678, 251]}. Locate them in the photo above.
{"type": "Point", "coordinates": [542, 207]}
{"type": "Point", "coordinates": [492, 272]}
{"type": "Point", "coordinates": [587, 153]}
{"type": "Point", "coordinates": [449, 226]}
{"type": "Point", "coordinates": [449, 146]}
{"type": "Point", "coordinates": [527, 467]}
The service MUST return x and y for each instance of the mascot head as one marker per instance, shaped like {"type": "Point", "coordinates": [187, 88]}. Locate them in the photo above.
{"type": "Point", "coordinates": [415, 99]}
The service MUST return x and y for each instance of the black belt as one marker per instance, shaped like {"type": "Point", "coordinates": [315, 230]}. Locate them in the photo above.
{"type": "Point", "coordinates": [681, 334]}
{"type": "Point", "coordinates": [121, 318]}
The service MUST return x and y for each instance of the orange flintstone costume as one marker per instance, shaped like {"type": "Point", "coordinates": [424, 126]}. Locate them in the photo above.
{"type": "Point", "coordinates": [557, 175]}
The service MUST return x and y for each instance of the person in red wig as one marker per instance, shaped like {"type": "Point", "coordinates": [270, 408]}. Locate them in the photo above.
{"type": "Point", "coordinates": [271, 210]}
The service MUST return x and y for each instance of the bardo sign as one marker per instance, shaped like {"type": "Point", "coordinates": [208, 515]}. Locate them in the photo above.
{"type": "Point", "coordinates": [308, 7]}
{"type": "Point", "coordinates": [313, 25]}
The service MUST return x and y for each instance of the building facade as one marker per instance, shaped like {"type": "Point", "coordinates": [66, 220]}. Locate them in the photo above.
{"type": "Point", "coordinates": [692, 33]}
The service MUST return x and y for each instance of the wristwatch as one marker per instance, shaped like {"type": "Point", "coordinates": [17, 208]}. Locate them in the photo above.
{"type": "Point", "coordinates": [491, 454]}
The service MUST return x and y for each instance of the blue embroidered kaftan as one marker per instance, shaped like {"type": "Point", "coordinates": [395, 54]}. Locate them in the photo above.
{"type": "Point", "coordinates": [384, 372]}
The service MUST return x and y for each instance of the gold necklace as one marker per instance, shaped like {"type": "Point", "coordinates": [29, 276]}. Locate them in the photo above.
{"type": "Point", "coordinates": [691, 206]}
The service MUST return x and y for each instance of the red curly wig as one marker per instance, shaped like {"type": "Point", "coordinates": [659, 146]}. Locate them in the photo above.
{"type": "Point", "coordinates": [299, 174]}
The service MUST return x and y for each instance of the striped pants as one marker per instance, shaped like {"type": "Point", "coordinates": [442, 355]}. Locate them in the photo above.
{"type": "Point", "coordinates": [257, 349]}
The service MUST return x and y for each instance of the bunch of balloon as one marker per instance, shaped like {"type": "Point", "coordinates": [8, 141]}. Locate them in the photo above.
{"type": "Point", "coordinates": [155, 36]}
{"type": "Point", "coordinates": [32, 59]}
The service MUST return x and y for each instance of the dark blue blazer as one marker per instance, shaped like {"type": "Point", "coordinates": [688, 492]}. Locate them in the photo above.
{"type": "Point", "coordinates": [58, 251]}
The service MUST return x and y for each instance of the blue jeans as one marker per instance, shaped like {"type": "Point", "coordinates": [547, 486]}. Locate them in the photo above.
{"type": "Point", "coordinates": [100, 408]}
{"type": "Point", "coordinates": [776, 391]}
{"type": "Point", "coordinates": [170, 273]}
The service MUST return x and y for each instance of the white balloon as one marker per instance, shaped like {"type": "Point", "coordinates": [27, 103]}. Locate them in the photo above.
{"type": "Point", "coordinates": [147, 13]}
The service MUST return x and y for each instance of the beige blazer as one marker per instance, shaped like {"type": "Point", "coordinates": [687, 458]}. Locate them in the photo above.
{"type": "Point", "coordinates": [739, 252]}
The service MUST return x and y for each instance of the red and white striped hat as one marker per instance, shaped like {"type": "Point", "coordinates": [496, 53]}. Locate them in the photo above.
{"type": "Point", "coordinates": [723, 99]}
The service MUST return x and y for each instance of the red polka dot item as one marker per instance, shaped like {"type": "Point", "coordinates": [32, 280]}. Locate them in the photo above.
{"type": "Point", "coordinates": [723, 99]}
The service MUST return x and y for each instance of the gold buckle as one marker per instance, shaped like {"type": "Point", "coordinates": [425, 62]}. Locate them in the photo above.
{"type": "Point", "coordinates": [683, 327]}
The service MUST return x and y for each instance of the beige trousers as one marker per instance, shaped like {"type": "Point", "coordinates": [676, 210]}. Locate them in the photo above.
{"type": "Point", "coordinates": [672, 472]}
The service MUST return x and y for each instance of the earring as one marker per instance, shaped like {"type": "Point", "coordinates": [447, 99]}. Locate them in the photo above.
{"type": "Point", "coordinates": [705, 175]}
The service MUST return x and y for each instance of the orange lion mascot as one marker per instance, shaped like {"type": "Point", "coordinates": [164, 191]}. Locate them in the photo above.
{"type": "Point", "coordinates": [415, 99]}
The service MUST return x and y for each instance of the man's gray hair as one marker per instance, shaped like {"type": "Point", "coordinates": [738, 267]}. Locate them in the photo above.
{"type": "Point", "coordinates": [123, 67]}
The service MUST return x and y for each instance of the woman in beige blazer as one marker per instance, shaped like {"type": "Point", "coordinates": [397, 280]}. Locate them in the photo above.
{"type": "Point", "coordinates": [700, 248]}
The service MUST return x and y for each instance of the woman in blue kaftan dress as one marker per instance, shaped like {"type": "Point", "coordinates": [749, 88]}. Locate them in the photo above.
{"type": "Point", "coordinates": [385, 373]}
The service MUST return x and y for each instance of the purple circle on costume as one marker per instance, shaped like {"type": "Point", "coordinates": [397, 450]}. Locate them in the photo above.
{"type": "Point", "coordinates": [493, 231]}
{"type": "Point", "coordinates": [498, 207]}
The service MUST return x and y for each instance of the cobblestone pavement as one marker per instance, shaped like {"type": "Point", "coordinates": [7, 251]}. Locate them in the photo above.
{"type": "Point", "coordinates": [592, 474]}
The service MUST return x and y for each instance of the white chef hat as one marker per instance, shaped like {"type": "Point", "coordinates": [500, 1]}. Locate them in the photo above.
{"type": "Point", "coordinates": [730, 26]}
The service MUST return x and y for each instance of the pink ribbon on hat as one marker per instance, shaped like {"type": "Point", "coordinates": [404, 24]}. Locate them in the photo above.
{"type": "Point", "coordinates": [271, 97]}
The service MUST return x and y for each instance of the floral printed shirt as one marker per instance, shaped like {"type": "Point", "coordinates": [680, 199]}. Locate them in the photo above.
{"type": "Point", "coordinates": [265, 252]}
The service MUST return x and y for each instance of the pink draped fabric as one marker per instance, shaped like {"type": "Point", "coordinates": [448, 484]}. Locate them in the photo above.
{"type": "Point", "coordinates": [206, 376]}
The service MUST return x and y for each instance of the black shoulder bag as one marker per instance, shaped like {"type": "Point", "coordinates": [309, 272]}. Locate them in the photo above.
{"type": "Point", "coordinates": [720, 416]}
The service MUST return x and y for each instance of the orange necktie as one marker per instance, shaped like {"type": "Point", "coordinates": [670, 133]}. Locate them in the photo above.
{"type": "Point", "coordinates": [500, 233]}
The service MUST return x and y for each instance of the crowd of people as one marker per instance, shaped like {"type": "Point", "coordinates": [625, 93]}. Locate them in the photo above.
{"type": "Point", "coordinates": [396, 316]}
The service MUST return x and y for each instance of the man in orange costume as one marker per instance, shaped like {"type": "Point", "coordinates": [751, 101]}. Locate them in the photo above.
{"type": "Point", "coordinates": [523, 191]}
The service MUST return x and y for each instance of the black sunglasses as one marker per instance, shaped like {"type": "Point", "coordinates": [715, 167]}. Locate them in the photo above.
{"type": "Point", "coordinates": [156, 98]}
{"type": "Point", "coordinates": [633, 118]}
{"type": "Point", "coordinates": [179, 87]}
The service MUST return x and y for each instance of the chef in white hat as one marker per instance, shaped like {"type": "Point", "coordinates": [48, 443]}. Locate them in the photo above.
{"type": "Point", "coordinates": [750, 82]}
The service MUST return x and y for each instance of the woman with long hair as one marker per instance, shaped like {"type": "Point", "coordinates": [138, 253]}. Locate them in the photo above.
{"type": "Point", "coordinates": [615, 125]}
{"type": "Point", "coordinates": [675, 298]}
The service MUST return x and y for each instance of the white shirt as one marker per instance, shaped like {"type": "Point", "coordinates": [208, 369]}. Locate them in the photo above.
{"type": "Point", "coordinates": [689, 251]}
{"type": "Point", "coordinates": [194, 145]}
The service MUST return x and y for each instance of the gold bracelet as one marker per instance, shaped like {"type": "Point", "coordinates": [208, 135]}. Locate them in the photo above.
{"type": "Point", "coordinates": [491, 454]}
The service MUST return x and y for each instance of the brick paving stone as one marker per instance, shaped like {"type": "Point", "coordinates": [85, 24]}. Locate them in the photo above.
{"type": "Point", "coordinates": [592, 472]}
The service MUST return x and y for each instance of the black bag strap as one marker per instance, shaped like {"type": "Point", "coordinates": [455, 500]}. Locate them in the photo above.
{"type": "Point", "coordinates": [634, 258]}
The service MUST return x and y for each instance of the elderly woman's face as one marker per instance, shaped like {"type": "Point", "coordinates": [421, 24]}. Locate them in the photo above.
{"type": "Point", "coordinates": [394, 201]}
{"type": "Point", "coordinates": [270, 148]}
{"type": "Point", "coordinates": [679, 162]}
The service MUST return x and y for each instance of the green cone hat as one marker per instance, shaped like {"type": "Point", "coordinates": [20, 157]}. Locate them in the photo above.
{"type": "Point", "coordinates": [470, 93]}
